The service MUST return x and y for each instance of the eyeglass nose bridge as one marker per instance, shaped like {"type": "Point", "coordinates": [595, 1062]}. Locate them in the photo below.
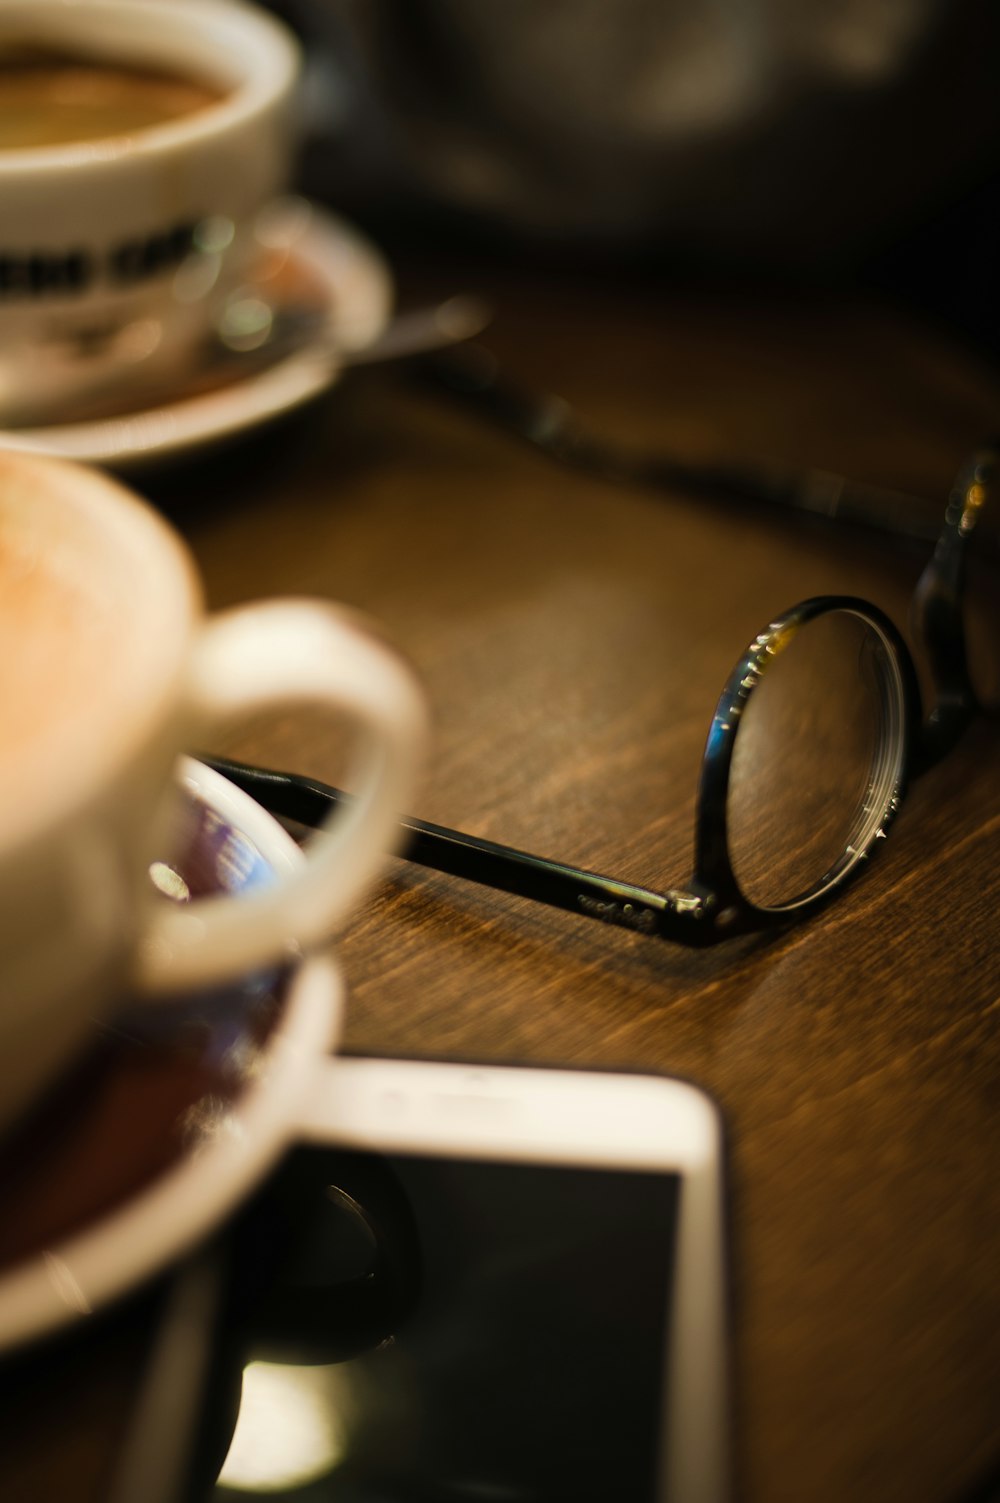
{"type": "Point", "coordinates": [937, 607]}
{"type": "Point", "coordinates": [715, 884]}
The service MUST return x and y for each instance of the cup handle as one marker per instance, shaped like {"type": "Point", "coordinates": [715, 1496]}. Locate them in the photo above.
{"type": "Point", "coordinates": [263, 657]}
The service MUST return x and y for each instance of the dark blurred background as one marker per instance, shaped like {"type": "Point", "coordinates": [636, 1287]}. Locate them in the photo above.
{"type": "Point", "coordinates": [800, 143]}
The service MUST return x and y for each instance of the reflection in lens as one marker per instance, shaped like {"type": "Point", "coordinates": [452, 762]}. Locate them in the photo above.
{"type": "Point", "coordinates": [816, 759]}
{"type": "Point", "coordinates": [982, 626]}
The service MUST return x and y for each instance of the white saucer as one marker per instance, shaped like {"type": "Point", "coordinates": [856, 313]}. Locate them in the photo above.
{"type": "Point", "coordinates": [352, 285]}
{"type": "Point", "coordinates": [176, 1115]}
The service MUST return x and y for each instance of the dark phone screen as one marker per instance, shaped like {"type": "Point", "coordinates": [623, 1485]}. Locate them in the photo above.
{"type": "Point", "coordinates": [529, 1364]}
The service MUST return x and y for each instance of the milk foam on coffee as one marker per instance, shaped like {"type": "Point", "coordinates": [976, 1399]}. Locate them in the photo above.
{"type": "Point", "coordinates": [52, 641]}
{"type": "Point", "coordinates": [78, 671]}
{"type": "Point", "coordinates": [60, 101]}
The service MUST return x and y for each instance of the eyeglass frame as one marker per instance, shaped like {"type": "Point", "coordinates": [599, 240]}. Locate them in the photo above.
{"type": "Point", "coordinates": [712, 906]}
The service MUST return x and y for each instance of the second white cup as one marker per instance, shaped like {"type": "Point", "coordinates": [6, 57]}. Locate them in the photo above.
{"type": "Point", "coordinates": [113, 249]}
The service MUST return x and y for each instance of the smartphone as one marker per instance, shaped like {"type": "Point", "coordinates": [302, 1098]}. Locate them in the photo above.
{"type": "Point", "coordinates": [553, 1243]}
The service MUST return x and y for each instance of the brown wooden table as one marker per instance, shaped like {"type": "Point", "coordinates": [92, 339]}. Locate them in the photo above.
{"type": "Point", "coordinates": [573, 636]}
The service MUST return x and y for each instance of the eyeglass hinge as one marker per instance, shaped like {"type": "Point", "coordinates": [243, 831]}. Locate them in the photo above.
{"type": "Point", "coordinates": [697, 904]}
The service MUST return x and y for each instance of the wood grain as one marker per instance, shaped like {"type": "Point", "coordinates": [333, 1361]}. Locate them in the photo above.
{"type": "Point", "coordinates": [573, 637]}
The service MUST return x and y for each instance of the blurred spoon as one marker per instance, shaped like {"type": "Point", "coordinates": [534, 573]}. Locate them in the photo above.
{"type": "Point", "coordinates": [250, 335]}
{"type": "Point", "coordinates": [254, 328]}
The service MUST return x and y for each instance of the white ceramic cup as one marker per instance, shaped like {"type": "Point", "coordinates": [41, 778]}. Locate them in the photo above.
{"type": "Point", "coordinates": [113, 252]}
{"type": "Point", "coordinates": [108, 669]}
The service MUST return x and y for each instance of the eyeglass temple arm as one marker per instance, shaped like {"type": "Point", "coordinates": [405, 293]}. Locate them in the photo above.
{"type": "Point", "coordinates": [308, 802]}
{"type": "Point", "coordinates": [472, 375]}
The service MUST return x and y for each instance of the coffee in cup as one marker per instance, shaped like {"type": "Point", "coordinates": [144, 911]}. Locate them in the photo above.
{"type": "Point", "coordinates": [59, 100]}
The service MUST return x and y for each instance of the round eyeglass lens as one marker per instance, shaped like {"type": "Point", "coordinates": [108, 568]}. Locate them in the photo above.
{"type": "Point", "coordinates": [817, 761]}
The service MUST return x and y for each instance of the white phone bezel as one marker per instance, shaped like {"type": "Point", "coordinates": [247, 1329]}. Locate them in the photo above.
{"type": "Point", "coordinates": [576, 1117]}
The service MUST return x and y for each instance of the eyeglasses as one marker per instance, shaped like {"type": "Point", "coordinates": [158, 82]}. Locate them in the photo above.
{"type": "Point", "coordinates": [816, 733]}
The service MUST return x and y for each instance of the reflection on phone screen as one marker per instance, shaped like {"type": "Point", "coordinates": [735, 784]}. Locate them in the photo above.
{"type": "Point", "coordinates": [530, 1364]}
